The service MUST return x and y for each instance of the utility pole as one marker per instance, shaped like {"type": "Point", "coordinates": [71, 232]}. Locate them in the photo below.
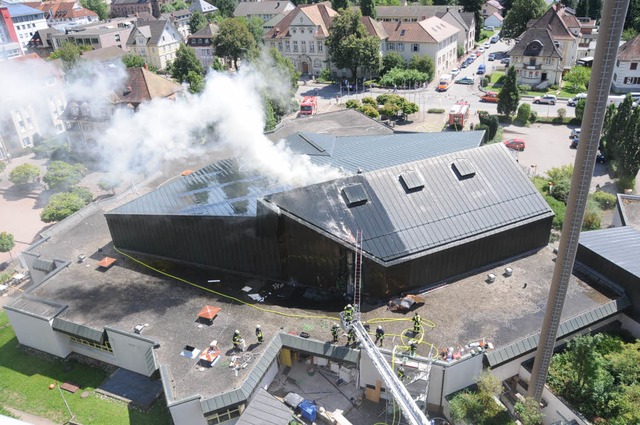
{"type": "Point", "coordinates": [613, 15]}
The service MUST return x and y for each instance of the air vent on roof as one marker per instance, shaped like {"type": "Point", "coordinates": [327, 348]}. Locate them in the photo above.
{"type": "Point", "coordinates": [412, 181]}
{"type": "Point", "coordinates": [354, 195]}
{"type": "Point", "coordinates": [463, 168]}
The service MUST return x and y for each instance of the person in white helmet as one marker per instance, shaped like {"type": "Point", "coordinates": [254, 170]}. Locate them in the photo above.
{"type": "Point", "coordinates": [379, 335]}
{"type": "Point", "coordinates": [259, 334]}
{"type": "Point", "coordinates": [237, 339]}
{"type": "Point", "coordinates": [348, 313]}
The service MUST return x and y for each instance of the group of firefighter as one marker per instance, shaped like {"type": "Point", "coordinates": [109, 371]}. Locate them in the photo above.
{"type": "Point", "coordinates": [347, 315]}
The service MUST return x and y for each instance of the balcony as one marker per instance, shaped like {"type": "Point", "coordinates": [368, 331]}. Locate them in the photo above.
{"type": "Point", "coordinates": [531, 67]}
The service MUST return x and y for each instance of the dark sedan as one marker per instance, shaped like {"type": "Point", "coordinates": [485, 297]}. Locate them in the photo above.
{"type": "Point", "coordinates": [465, 80]}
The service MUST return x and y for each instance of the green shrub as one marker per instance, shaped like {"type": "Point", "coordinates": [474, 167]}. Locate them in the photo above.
{"type": "Point", "coordinates": [403, 78]}
{"type": "Point", "coordinates": [325, 75]}
{"type": "Point", "coordinates": [83, 192]}
{"type": "Point", "coordinates": [485, 128]}
{"type": "Point", "coordinates": [592, 216]}
{"type": "Point", "coordinates": [60, 206]}
{"type": "Point", "coordinates": [562, 112]}
{"type": "Point", "coordinates": [435, 111]}
{"type": "Point", "coordinates": [559, 209]}
{"type": "Point", "coordinates": [524, 87]}
{"type": "Point", "coordinates": [369, 111]}
{"type": "Point", "coordinates": [605, 200]}
{"type": "Point", "coordinates": [369, 101]}
{"type": "Point", "coordinates": [554, 87]}
{"type": "Point", "coordinates": [23, 174]}
{"type": "Point", "coordinates": [524, 113]}
{"type": "Point", "coordinates": [626, 182]}
{"type": "Point", "coordinates": [492, 123]}
{"type": "Point", "coordinates": [533, 117]}
{"type": "Point", "coordinates": [484, 82]}
{"type": "Point", "coordinates": [580, 108]}
{"type": "Point", "coordinates": [353, 104]}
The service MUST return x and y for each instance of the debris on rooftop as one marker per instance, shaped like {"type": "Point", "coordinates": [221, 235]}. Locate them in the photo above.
{"type": "Point", "coordinates": [405, 303]}
{"type": "Point", "coordinates": [106, 262]}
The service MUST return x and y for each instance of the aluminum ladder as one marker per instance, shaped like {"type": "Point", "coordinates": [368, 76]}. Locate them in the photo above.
{"type": "Point", "coordinates": [410, 410]}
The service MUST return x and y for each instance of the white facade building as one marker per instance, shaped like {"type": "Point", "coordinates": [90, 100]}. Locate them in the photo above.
{"type": "Point", "coordinates": [26, 21]}
{"type": "Point", "coordinates": [626, 73]}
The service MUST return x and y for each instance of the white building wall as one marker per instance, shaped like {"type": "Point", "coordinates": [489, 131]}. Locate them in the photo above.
{"type": "Point", "coordinates": [132, 352]}
{"type": "Point", "coordinates": [626, 79]}
{"type": "Point", "coordinates": [27, 25]}
{"type": "Point", "coordinates": [37, 333]}
{"type": "Point", "coordinates": [188, 412]}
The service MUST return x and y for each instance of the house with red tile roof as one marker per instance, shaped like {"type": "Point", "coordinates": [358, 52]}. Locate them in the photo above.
{"type": "Point", "coordinates": [65, 13]}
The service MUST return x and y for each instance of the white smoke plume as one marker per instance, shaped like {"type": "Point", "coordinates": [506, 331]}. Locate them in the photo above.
{"type": "Point", "coordinates": [228, 116]}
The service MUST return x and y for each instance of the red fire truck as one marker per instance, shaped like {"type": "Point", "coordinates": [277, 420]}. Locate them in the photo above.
{"type": "Point", "coordinates": [459, 113]}
{"type": "Point", "coordinates": [309, 105]}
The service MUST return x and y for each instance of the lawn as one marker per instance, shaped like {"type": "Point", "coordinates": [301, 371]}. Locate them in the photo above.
{"type": "Point", "coordinates": [497, 79]}
{"type": "Point", "coordinates": [24, 384]}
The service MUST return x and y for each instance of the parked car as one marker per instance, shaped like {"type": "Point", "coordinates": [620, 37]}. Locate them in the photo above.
{"type": "Point", "coordinates": [501, 55]}
{"type": "Point", "coordinates": [505, 61]}
{"type": "Point", "coordinates": [482, 68]}
{"type": "Point", "coordinates": [574, 143]}
{"type": "Point", "coordinates": [465, 80]}
{"type": "Point", "coordinates": [574, 133]}
{"type": "Point", "coordinates": [600, 158]}
{"type": "Point", "coordinates": [454, 72]}
{"type": "Point", "coordinates": [487, 45]}
{"type": "Point", "coordinates": [489, 28]}
{"type": "Point", "coordinates": [481, 50]}
{"type": "Point", "coordinates": [464, 64]}
{"type": "Point", "coordinates": [490, 97]}
{"type": "Point", "coordinates": [492, 56]}
{"type": "Point", "coordinates": [574, 101]}
{"type": "Point", "coordinates": [494, 39]}
{"type": "Point", "coordinates": [515, 144]}
{"type": "Point", "coordinates": [547, 99]}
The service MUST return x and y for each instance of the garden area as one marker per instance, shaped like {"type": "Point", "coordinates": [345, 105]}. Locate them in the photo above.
{"type": "Point", "coordinates": [600, 376]}
{"type": "Point", "coordinates": [25, 377]}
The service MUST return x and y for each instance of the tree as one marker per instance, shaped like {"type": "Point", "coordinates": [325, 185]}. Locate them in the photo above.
{"type": "Point", "coordinates": [580, 108]}
{"type": "Point", "coordinates": [3, 166]}
{"type": "Point", "coordinates": [582, 8]}
{"type": "Point", "coordinates": [474, 6]}
{"type": "Point", "coordinates": [84, 193]}
{"type": "Point", "coordinates": [529, 411]}
{"type": "Point", "coordinates": [522, 12]}
{"type": "Point", "coordinates": [109, 184]}
{"type": "Point", "coordinates": [61, 206]}
{"type": "Point", "coordinates": [233, 40]}
{"type": "Point", "coordinates": [197, 21]}
{"type": "Point", "coordinates": [510, 94]}
{"type": "Point", "coordinates": [225, 7]}
{"type": "Point", "coordinates": [196, 82]}
{"type": "Point", "coordinates": [524, 113]}
{"type": "Point", "coordinates": [7, 242]}
{"type": "Point", "coordinates": [185, 63]}
{"type": "Point", "coordinates": [595, 9]}
{"type": "Point", "coordinates": [339, 4]}
{"type": "Point", "coordinates": [98, 6]}
{"type": "Point", "coordinates": [617, 128]}
{"type": "Point", "coordinates": [255, 28]}
{"type": "Point", "coordinates": [61, 175]}
{"type": "Point", "coordinates": [131, 60]}
{"type": "Point", "coordinates": [368, 8]}
{"type": "Point", "coordinates": [69, 54]}
{"type": "Point", "coordinates": [423, 63]}
{"type": "Point", "coordinates": [578, 78]}
{"type": "Point", "coordinates": [392, 60]}
{"type": "Point", "coordinates": [23, 174]}
{"type": "Point", "coordinates": [350, 46]}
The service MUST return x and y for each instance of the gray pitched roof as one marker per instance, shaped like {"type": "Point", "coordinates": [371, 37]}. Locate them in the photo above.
{"type": "Point", "coordinates": [262, 8]}
{"type": "Point", "coordinates": [202, 6]}
{"type": "Point", "coordinates": [536, 42]}
{"type": "Point", "coordinates": [151, 29]}
{"type": "Point", "coordinates": [265, 409]}
{"type": "Point", "coordinates": [618, 245]}
{"type": "Point", "coordinates": [455, 15]}
{"type": "Point", "coordinates": [425, 206]}
{"type": "Point", "coordinates": [568, 327]}
{"type": "Point", "coordinates": [227, 188]}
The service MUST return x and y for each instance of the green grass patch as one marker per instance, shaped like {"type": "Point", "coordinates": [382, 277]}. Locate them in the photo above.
{"type": "Point", "coordinates": [435, 111]}
{"type": "Point", "coordinates": [5, 412]}
{"type": "Point", "coordinates": [25, 377]}
{"type": "Point", "coordinates": [557, 120]}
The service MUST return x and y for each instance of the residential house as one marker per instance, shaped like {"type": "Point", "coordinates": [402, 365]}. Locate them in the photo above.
{"type": "Point", "coordinates": [156, 41]}
{"type": "Point", "coordinates": [9, 45]}
{"type": "Point", "coordinates": [491, 7]}
{"type": "Point", "coordinates": [588, 37]}
{"type": "Point", "coordinates": [301, 36]}
{"type": "Point", "coordinates": [26, 21]}
{"type": "Point", "coordinates": [493, 20]}
{"type": "Point", "coordinates": [202, 6]}
{"type": "Point", "coordinates": [202, 43]}
{"type": "Point", "coordinates": [98, 35]}
{"type": "Point", "coordinates": [180, 20]}
{"type": "Point", "coordinates": [626, 73]}
{"type": "Point", "coordinates": [64, 14]}
{"type": "Point", "coordinates": [42, 42]}
{"type": "Point", "coordinates": [264, 10]}
{"type": "Point", "coordinates": [564, 29]}
{"type": "Point", "coordinates": [85, 121]}
{"type": "Point", "coordinates": [465, 22]}
{"type": "Point", "coordinates": [28, 118]}
{"type": "Point", "coordinates": [432, 37]}
{"type": "Point", "coordinates": [537, 58]}
{"type": "Point", "coordinates": [108, 56]}
{"type": "Point", "coordinates": [122, 8]}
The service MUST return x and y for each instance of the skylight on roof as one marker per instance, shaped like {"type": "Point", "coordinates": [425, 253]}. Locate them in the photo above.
{"type": "Point", "coordinates": [463, 168]}
{"type": "Point", "coordinates": [354, 195]}
{"type": "Point", "coordinates": [402, 32]}
{"type": "Point", "coordinates": [412, 181]}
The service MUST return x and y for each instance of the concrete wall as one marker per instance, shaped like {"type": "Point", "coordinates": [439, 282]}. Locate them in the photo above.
{"type": "Point", "coordinates": [188, 412]}
{"type": "Point", "coordinates": [630, 325]}
{"type": "Point", "coordinates": [37, 333]}
{"type": "Point", "coordinates": [132, 352]}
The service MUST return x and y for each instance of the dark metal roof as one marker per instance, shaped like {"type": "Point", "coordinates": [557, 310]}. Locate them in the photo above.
{"type": "Point", "coordinates": [448, 210]}
{"type": "Point", "coordinates": [264, 409]}
{"type": "Point", "coordinates": [77, 330]}
{"type": "Point", "coordinates": [567, 328]}
{"type": "Point", "coordinates": [230, 188]}
{"type": "Point", "coordinates": [619, 245]}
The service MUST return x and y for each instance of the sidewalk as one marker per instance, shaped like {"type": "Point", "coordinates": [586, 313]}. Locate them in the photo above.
{"type": "Point", "coordinates": [28, 418]}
